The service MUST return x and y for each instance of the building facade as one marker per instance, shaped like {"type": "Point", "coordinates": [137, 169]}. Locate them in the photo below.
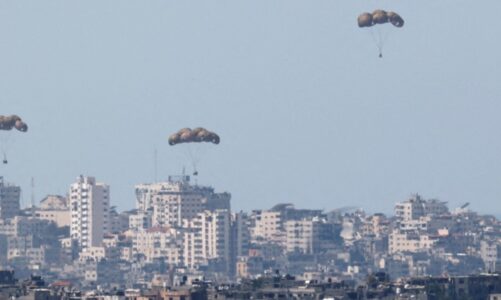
{"type": "Point", "coordinates": [9, 200]}
{"type": "Point", "coordinates": [176, 199]}
{"type": "Point", "coordinates": [89, 206]}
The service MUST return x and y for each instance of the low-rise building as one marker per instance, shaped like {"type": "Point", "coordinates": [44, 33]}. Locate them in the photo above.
{"type": "Point", "coordinates": [409, 241]}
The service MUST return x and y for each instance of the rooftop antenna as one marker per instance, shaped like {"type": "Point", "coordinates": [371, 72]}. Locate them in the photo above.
{"type": "Point", "coordinates": [32, 198]}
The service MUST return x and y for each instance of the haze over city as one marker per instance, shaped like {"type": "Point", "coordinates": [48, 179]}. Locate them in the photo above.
{"type": "Point", "coordinates": [306, 111]}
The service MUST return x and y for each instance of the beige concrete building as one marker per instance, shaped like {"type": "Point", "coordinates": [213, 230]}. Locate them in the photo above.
{"type": "Point", "coordinates": [92, 254]}
{"type": "Point", "coordinates": [375, 225]}
{"type": "Point", "coordinates": [300, 236]}
{"type": "Point", "coordinates": [54, 208]}
{"type": "Point", "coordinates": [62, 218]}
{"type": "Point", "coordinates": [412, 241]}
{"type": "Point", "coordinates": [267, 225]}
{"type": "Point", "coordinates": [141, 220]}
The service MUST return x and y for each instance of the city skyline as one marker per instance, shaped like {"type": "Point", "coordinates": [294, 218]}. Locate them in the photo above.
{"type": "Point", "coordinates": [141, 192]}
{"type": "Point", "coordinates": [181, 234]}
{"type": "Point", "coordinates": [260, 149]}
{"type": "Point", "coordinates": [26, 202]}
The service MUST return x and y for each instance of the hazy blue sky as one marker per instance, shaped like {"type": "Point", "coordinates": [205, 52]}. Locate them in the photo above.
{"type": "Point", "coordinates": [306, 111]}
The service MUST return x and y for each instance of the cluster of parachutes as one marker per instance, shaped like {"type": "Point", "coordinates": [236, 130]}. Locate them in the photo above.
{"type": "Point", "coordinates": [12, 121]}
{"type": "Point", "coordinates": [380, 17]}
{"type": "Point", "coordinates": [196, 135]}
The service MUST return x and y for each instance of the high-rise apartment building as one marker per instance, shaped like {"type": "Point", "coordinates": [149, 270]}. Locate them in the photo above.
{"type": "Point", "coordinates": [9, 200]}
{"type": "Point", "coordinates": [89, 206]}
{"type": "Point", "coordinates": [176, 199]}
{"type": "Point", "coordinates": [207, 239]}
{"type": "Point", "coordinates": [239, 239]}
{"type": "Point", "coordinates": [240, 234]}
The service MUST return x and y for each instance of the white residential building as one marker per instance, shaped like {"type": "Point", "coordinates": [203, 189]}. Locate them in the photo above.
{"type": "Point", "coordinates": [158, 242]}
{"type": "Point", "coordinates": [193, 245]}
{"type": "Point", "coordinates": [207, 237]}
{"type": "Point", "coordinates": [176, 199]}
{"type": "Point", "coordinates": [89, 206]}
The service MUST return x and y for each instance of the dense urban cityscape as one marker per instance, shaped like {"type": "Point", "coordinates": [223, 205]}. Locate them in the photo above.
{"type": "Point", "coordinates": [234, 150]}
{"type": "Point", "coordinates": [183, 241]}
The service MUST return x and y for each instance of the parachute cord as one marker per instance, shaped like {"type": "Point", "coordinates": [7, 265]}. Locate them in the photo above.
{"type": "Point", "coordinates": [384, 33]}
{"type": "Point", "coordinates": [377, 41]}
{"type": "Point", "coordinates": [195, 171]}
{"type": "Point", "coordinates": [193, 158]}
{"type": "Point", "coordinates": [381, 41]}
{"type": "Point", "coordinates": [5, 139]}
{"type": "Point", "coordinates": [385, 36]}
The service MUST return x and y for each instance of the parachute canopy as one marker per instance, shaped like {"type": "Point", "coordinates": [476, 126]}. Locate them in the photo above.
{"type": "Point", "coordinates": [12, 121]}
{"type": "Point", "coordinates": [380, 17]}
{"type": "Point", "coordinates": [196, 135]}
